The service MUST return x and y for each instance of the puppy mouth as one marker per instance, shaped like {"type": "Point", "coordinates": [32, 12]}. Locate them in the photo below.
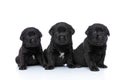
{"type": "Point", "coordinates": [35, 44]}
{"type": "Point", "coordinates": [62, 39]}
{"type": "Point", "coordinates": [99, 43]}
{"type": "Point", "coordinates": [32, 45]}
{"type": "Point", "coordinates": [61, 42]}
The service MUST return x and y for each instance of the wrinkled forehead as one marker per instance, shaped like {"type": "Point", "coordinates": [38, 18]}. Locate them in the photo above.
{"type": "Point", "coordinates": [61, 29]}
{"type": "Point", "coordinates": [31, 32]}
{"type": "Point", "coordinates": [99, 29]}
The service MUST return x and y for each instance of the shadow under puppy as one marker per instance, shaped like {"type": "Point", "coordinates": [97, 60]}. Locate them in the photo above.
{"type": "Point", "coordinates": [31, 51]}
{"type": "Point", "coordinates": [60, 50]}
{"type": "Point", "coordinates": [91, 53]}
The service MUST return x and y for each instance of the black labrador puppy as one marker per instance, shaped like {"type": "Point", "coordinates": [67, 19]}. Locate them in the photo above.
{"type": "Point", "coordinates": [31, 51]}
{"type": "Point", "coordinates": [92, 51]}
{"type": "Point", "coordinates": [60, 50]}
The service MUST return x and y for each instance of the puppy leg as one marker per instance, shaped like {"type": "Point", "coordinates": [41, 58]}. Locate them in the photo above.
{"type": "Point", "coordinates": [101, 62]}
{"type": "Point", "coordinates": [91, 64]}
{"type": "Point", "coordinates": [22, 64]}
{"type": "Point", "coordinates": [31, 61]}
{"type": "Point", "coordinates": [70, 58]}
{"type": "Point", "coordinates": [50, 62]}
{"type": "Point", "coordinates": [44, 61]}
{"type": "Point", "coordinates": [70, 61]}
{"type": "Point", "coordinates": [38, 57]}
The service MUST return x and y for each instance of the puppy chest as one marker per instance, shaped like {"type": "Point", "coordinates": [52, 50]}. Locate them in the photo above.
{"type": "Point", "coordinates": [95, 57]}
{"type": "Point", "coordinates": [59, 58]}
{"type": "Point", "coordinates": [59, 55]}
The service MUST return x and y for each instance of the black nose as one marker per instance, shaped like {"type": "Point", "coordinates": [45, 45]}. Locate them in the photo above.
{"type": "Point", "coordinates": [99, 37]}
{"type": "Point", "coordinates": [31, 40]}
{"type": "Point", "coordinates": [61, 37]}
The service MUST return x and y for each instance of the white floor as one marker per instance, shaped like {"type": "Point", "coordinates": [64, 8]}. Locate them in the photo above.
{"type": "Point", "coordinates": [62, 73]}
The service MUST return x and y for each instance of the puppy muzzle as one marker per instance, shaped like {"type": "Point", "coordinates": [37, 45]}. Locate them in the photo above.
{"type": "Point", "coordinates": [62, 38]}
{"type": "Point", "coordinates": [32, 41]}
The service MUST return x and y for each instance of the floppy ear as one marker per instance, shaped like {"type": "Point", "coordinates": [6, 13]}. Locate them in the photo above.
{"type": "Point", "coordinates": [22, 35]}
{"type": "Point", "coordinates": [72, 30]}
{"type": "Point", "coordinates": [40, 34]}
{"type": "Point", "coordinates": [88, 30]}
{"type": "Point", "coordinates": [107, 31]}
{"type": "Point", "coordinates": [51, 31]}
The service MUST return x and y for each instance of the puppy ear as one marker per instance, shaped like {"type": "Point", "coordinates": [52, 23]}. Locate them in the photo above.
{"type": "Point", "coordinates": [22, 35]}
{"type": "Point", "coordinates": [88, 30]}
{"type": "Point", "coordinates": [107, 31]}
{"type": "Point", "coordinates": [72, 30]}
{"type": "Point", "coordinates": [51, 31]}
{"type": "Point", "coordinates": [40, 34]}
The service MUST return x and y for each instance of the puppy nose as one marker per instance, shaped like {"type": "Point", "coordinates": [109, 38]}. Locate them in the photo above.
{"type": "Point", "coordinates": [99, 37]}
{"type": "Point", "coordinates": [31, 40]}
{"type": "Point", "coordinates": [62, 37]}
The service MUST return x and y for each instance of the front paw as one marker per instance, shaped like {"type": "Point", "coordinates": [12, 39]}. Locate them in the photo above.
{"type": "Point", "coordinates": [71, 65]}
{"type": "Point", "coordinates": [93, 68]}
{"type": "Point", "coordinates": [49, 67]}
{"type": "Point", "coordinates": [22, 67]}
{"type": "Point", "coordinates": [102, 66]}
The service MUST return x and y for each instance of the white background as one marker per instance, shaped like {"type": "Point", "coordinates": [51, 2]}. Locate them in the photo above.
{"type": "Point", "coordinates": [15, 15]}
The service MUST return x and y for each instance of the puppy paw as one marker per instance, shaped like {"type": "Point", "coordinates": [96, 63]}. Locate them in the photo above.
{"type": "Point", "coordinates": [71, 66]}
{"type": "Point", "coordinates": [22, 68]}
{"type": "Point", "coordinates": [94, 69]}
{"type": "Point", "coordinates": [102, 66]}
{"type": "Point", "coordinates": [49, 67]}
{"type": "Point", "coordinates": [44, 65]}
{"type": "Point", "coordinates": [78, 66]}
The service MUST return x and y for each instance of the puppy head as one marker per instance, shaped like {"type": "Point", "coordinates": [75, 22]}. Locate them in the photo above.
{"type": "Point", "coordinates": [31, 37]}
{"type": "Point", "coordinates": [97, 34]}
{"type": "Point", "coordinates": [61, 33]}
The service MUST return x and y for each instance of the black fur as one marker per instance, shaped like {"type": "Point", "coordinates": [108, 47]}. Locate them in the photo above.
{"type": "Point", "coordinates": [92, 51]}
{"type": "Point", "coordinates": [61, 41]}
{"type": "Point", "coordinates": [31, 51]}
